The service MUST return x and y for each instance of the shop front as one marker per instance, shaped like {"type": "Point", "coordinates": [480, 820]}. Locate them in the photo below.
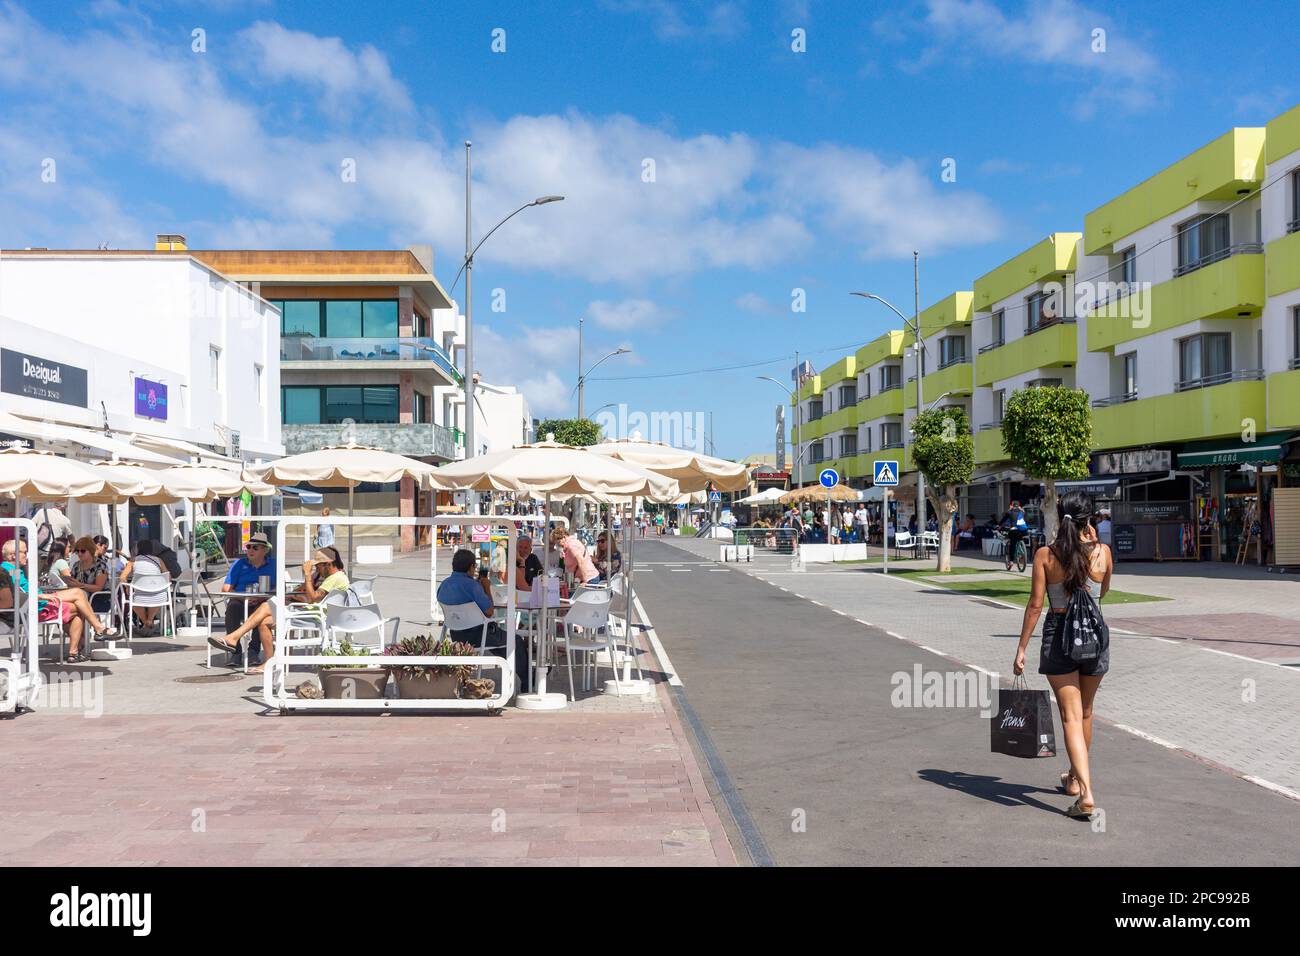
{"type": "Point", "coordinates": [1235, 504]}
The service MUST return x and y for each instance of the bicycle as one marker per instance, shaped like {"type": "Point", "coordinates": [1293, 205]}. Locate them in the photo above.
{"type": "Point", "coordinates": [1017, 555]}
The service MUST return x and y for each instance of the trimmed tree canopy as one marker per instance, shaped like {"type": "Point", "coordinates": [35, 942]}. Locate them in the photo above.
{"type": "Point", "coordinates": [1047, 432]}
{"type": "Point", "coordinates": [570, 431]}
{"type": "Point", "coordinates": [943, 447]}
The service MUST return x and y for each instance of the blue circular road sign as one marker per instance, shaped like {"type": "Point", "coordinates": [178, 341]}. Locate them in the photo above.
{"type": "Point", "coordinates": [829, 478]}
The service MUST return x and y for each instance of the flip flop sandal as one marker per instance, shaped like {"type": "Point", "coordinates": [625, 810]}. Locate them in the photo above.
{"type": "Point", "coordinates": [1065, 783]}
{"type": "Point", "coordinates": [221, 645]}
{"type": "Point", "coordinates": [1077, 812]}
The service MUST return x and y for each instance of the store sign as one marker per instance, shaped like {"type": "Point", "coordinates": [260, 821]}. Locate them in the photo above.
{"type": "Point", "coordinates": [1125, 538]}
{"type": "Point", "coordinates": [150, 399]}
{"type": "Point", "coordinates": [1152, 511]}
{"type": "Point", "coordinates": [34, 377]}
{"type": "Point", "coordinates": [1133, 462]}
{"type": "Point", "coordinates": [14, 441]}
{"type": "Point", "coordinates": [771, 475]}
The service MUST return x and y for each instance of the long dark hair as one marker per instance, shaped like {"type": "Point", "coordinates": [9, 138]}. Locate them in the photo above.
{"type": "Point", "coordinates": [1074, 511]}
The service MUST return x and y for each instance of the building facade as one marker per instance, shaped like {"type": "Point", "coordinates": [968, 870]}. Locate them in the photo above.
{"type": "Point", "coordinates": [1176, 308]}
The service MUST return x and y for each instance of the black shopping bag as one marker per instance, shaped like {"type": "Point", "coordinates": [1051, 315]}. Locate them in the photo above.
{"type": "Point", "coordinates": [1022, 726]}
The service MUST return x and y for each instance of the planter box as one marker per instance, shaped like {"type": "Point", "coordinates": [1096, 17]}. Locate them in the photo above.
{"type": "Point", "coordinates": [353, 683]}
{"type": "Point", "coordinates": [436, 687]}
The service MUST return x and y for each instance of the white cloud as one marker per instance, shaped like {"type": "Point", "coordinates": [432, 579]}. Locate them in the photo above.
{"type": "Point", "coordinates": [347, 78]}
{"type": "Point", "coordinates": [625, 315]}
{"type": "Point", "coordinates": [755, 303]}
{"type": "Point", "coordinates": [668, 20]}
{"type": "Point", "coordinates": [1057, 34]}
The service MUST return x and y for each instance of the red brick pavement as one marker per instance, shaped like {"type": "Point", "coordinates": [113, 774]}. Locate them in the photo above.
{"type": "Point", "coordinates": [239, 790]}
{"type": "Point", "coordinates": [1261, 636]}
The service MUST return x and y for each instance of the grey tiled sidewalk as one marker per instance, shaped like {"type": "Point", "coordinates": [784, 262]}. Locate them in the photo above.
{"type": "Point", "coordinates": [1240, 713]}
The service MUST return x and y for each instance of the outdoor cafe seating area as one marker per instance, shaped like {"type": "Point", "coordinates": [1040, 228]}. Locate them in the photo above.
{"type": "Point", "coordinates": [362, 628]}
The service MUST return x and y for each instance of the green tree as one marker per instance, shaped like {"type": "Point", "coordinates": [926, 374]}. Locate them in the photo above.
{"type": "Point", "coordinates": [570, 431]}
{"type": "Point", "coordinates": [1047, 433]}
{"type": "Point", "coordinates": [945, 451]}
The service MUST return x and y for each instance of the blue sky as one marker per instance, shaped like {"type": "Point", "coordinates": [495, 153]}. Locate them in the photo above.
{"type": "Point", "coordinates": [774, 170]}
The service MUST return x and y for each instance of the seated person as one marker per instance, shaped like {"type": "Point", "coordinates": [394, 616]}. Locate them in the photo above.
{"type": "Point", "coordinates": [966, 531]}
{"type": "Point", "coordinates": [244, 577]}
{"type": "Point", "coordinates": [604, 564]}
{"type": "Point", "coordinates": [60, 570]}
{"type": "Point", "coordinates": [321, 573]}
{"type": "Point", "coordinates": [146, 561]}
{"type": "Point", "coordinates": [75, 605]}
{"type": "Point", "coordinates": [462, 586]}
{"type": "Point", "coordinates": [90, 572]}
{"type": "Point", "coordinates": [527, 564]}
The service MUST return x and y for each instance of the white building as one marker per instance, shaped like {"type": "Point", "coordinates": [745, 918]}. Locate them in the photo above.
{"type": "Point", "coordinates": [157, 345]}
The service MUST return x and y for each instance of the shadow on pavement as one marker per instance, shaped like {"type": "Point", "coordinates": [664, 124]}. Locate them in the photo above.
{"type": "Point", "coordinates": [993, 789]}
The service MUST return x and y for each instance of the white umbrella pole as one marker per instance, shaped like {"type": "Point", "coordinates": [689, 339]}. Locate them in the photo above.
{"type": "Point", "coordinates": [541, 700]}
{"type": "Point", "coordinates": [351, 557]}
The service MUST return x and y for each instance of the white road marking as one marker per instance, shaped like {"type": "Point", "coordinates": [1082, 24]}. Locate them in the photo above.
{"type": "Point", "coordinates": [655, 645]}
{"type": "Point", "coordinates": [1146, 736]}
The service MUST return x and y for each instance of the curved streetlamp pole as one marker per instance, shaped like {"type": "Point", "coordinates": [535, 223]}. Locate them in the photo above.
{"type": "Point", "coordinates": [794, 460]}
{"type": "Point", "coordinates": [582, 376]}
{"type": "Point", "coordinates": [467, 267]}
{"type": "Point", "coordinates": [913, 325]}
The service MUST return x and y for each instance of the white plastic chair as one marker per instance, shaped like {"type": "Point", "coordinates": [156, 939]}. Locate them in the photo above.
{"type": "Point", "coordinates": [930, 541]}
{"type": "Point", "coordinates": [148, 589]}
{"type": "Point", "coordinates": [349, 623]}
{"type": "Point", "coordinates": [589, 611]}
{"type": "Point", "coordinates": [903, 541]}
{"type": "Point", "coordinates": [466, 617]}
{"type": "Point", "coordinates": [364, 590]}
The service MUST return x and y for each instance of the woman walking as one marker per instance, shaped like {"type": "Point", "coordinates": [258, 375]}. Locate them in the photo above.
{"type": "Point", "coordinates": [1075, 560]}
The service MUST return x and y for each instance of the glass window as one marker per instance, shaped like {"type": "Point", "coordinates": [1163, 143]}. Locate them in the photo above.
{"type": "Point", "coordinates": [343, 402]}
{"type": "Point", "coordinates": [848, 445]}
{"type": "Point", "coordinates": [1205, 359]}
{"type": "Point", "coordinates": [891, 434]}
{"type": "Point", "coordinates": [1218, 355]}
{"type": "Point", "coordinates": [343, 319]}
{"type": "Point", "coordinates": [1128, 265]}
{"type": "Point", "coordinates": [301, 405]}
{"type": "Point", "coordinates": [999, 404]}
{"type": "Point", "coordinates": [1189, 359]}
{"type": "Point", "coordinates": [379, 319]}
{"type": "Point", "coordinates": [1295, 334]}
{"type": "Point", "coordinates": [999, 327]}
{"type": "Point", "coordinates": [1034, 311]}
{"type": "Point", "coordinates": [1295, 202]}
{"type": "Point", "coordinates": [1202, 240]}
{"type": "Point", "coordinates": [1130, 375]}
{"type": "Point", "coordinates": [952, 349]}
{"type": "Point", "coordinates": [848, 395]}
{"type": "Point", "coordinates": [814, 411]}
{"type": "Point", "coordinates": [300, 317]}
{"type": "Point", "coordinates": [891, 376]}
{"type": "Point", "coordinates": [214, 367]}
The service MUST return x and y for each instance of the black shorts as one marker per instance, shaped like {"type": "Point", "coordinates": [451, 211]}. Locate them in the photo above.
{"type": "Point", "coordinates": [1052, 661]}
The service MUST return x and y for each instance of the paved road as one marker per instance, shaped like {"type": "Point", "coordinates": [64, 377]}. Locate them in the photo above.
{"type": "Point", "coordinates": [796, 699]}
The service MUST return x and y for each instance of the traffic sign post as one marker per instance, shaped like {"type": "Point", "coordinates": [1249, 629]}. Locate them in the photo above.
{"type": "Point", "coordinates": [885, 476]}
{"type": "Point", "coordinates": [829, 479]}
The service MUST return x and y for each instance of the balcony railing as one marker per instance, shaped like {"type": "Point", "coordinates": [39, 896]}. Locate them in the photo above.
{"type": "Point", "coordinates": [886, 446]}
{"type": "Point", "coordinates": [1206, 381]}
{"type": "Point", "coordinates": [311, 348]}
{"type": "Point", "coordinates": [1047, 324]}
{"type": "Point", "coordinates": [1240, 248]}
{"type": "Point", "coordinates": [989, 426]}
{"type": "Point", "coordinates": [954, 360]}
{"type": "Point", "coordinates": [1115, 399]}
{"type": "Point", "coordinates": [995, 344]}
{"type": "Point", "coordinates": [1295, 362]}
{"type": "Point", "coordinates": [890, 387]}
{"type": "Point", "coordinates": [1293, 226]}
{"type": "Point", "coordinates": [417, 440]}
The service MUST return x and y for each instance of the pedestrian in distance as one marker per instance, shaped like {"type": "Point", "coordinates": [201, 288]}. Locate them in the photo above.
{"type": "Point", "coordinates": [1075, 561]}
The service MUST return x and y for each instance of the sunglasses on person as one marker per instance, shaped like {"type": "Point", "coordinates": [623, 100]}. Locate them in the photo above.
{"type": "Point", "coordinates": [255, 547]}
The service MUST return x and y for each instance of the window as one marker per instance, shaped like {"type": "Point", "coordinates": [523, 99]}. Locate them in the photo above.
{"type": "Point", "coordinates": [848, 445]}
{"type": "Point", "coordinates": [1201, 241]}
{"type": "Point", "coordinates": [343, 319]}
{"type": "Point", "coordinates": [1204, 359]}
{"type": "Point", "coordinates": [999, 327]}
{"type": "Point", "coordinates": [891, 435]}
{"type": "Point", "coordinates": [816, 453]}
{"type": "Point", "coordinates": [334, 404]}
{"type": "Point", "coordinates": [299, 318]}
{"type": "Point", "coordinates": [1294, 225]}
{"type": "Point", "coordinates": [1039, 311]}
{"type": "Point", "coordinates": [865, 441]}
{"type": "Point", "coordinates": [379, 319]}
{"type": "Point", "coordinates": [257, 385]}
{"type": "Point", "coordinates": [814, 411]}
{"type": "Point", "coordinates": [1130, 374]}
{"type": "Point", "coordinates": [864, 390]}
{"type": "Point", "coordinates": [891, 376]}
{"type": "Point", "coordinates": [1128, 265]}
{"type": "Point", "coordinates": [1295, 336]}
{"type": "Point", "coordinates": [952, 350]}
{"type": "Point", "coordinates": [999, 404]}
{"type": "Point", "coordinates": [848, 395]}
{"type": "Point", "coordinates": [214, 367]}
{"type": "Point", "coordinates": [340, 318]}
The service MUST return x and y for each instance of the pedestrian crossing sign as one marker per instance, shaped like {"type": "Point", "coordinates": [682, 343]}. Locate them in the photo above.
{"type": "Point", "coordinates": [886, 473]}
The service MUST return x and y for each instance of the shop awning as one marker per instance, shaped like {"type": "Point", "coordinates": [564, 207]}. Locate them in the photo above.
{"type": "Point", "coordinates": [1268, 447]}
{"type": "Point", "coordinates": [49, 432]}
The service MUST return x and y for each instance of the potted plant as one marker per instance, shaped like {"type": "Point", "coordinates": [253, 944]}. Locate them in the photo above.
{"type": "Point", "coordinates": [429, 681]}
{"type": "Point", "coordinates": [348, 682]}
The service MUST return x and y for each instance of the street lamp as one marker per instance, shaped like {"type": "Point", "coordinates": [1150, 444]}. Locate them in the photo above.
{"type": "Point", "coordinates": [914, 326]}
{"type": "Point", "coordinates": [582, 376]}
{"type": "Point", "coordinates": [602, 408]}
{"type": "Point", "coordinates": [794, 463]}
{"type": "Point", "coordinates": [467, 267]}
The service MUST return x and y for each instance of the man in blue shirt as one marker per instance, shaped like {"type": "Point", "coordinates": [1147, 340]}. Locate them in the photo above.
{"type": "Point", "coordinates": [462, 587]}
{"type": "Point", "coordinates": [244, 576]}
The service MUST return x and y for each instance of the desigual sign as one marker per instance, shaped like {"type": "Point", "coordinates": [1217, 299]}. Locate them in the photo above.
{"type": "Point", "coordinates": [34, 377]}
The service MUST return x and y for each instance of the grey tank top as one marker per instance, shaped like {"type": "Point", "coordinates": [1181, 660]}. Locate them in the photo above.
{"type": "Point", "coordinates": [1056, 596]}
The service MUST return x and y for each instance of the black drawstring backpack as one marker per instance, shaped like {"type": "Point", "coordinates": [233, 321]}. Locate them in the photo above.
{"type": "Point", "coordinates": [1084, 634]}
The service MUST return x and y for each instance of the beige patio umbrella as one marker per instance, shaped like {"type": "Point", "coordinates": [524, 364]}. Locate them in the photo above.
{"type": "Point", "coordinates": [45, 476]}
{"type": "Point", "coordinates": [692, 470]}
{"type": "Point", "coordinates": [342, 466]}
{"type": "Point", "coordinates": [548, 468]}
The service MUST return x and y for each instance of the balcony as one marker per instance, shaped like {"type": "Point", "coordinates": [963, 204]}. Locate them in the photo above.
{"type": "Point", "coordinates": [951, 310]}
{"type": "Point", "coordinates": [1048, 346]}
{"type": "Point", "coordinates": [1219, 170]}
{"type": "Point", "coordinates": [956, 378]}
{"type": "Point", "coordinates": [1207, 381]}
{"type": "Point", "coordinates": [1282, 263]}
{"type": "Point", "coordinates": [1226, 289]}
{"type": "Point", "coordinates": [1049, 259]}
{"type": "Point", "coordinates": [988, 444]}
{"type": "Point", "coordinates": [1284, 398]}
{"type": "Point", "coordinates": [424, 440]}
{"type": "Point", "coordinates": [1207, 412]}
{"type": "Point", "coordinates": [840, 419]}
{"type": "Point", "coordinates": [887, 402]}
{"type": "Point", "coordinates": [1247, 248]}
{"type": "Point", "coordinates": [367, 351]}
{"type": "Point", "coordinates": [1115, 399]}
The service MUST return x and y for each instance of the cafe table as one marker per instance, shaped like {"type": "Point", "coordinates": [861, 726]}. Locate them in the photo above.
{"type": "Point", "coordinates": [531, 629]}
